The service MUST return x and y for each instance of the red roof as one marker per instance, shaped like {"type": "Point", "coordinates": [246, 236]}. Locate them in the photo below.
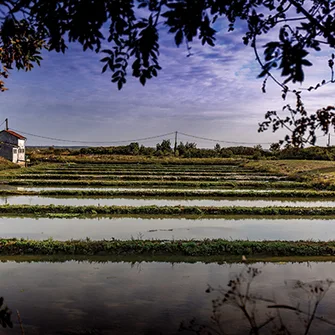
{"type": "Point", "coordinates": [20, 137]}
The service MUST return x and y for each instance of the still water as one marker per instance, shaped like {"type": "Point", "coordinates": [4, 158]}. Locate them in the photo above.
{"type": "Point", "coordinates": [168, 228]}
{"type": "Point", "coordinates": [150, 297]}
{"type": "Point", "coordinates": [110, 188]}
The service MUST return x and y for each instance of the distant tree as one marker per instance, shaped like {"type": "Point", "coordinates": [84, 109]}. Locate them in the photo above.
{"type": "Point", "coordinates": [190, 145]}
{"type": "Point", "coordinates": [146, 151]}
{"type": "Point", "coordinates": [258, 147]}
{"type": "Point", "coordinates": [164, 147]}
{"type": "Point", "coordinates": [188, 149]}
{"type": "Point", "coordinates": [274, 147]}
{"type": "Point", "coordinates": [226, 152]}
{"type": "Point", "coordinates": [134, 148]}
{"type": "Point", "coordinates": [302, 27]}
{"type": "Point", "coordinates": [217, 148]}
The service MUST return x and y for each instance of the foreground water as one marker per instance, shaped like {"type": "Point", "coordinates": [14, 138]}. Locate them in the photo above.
{"type": "Point", "coordinates": [168, 228]}
{"type": "Point", "coordinates": [149, 297]}
{"type": "Point", "coordinates": [36, 200]}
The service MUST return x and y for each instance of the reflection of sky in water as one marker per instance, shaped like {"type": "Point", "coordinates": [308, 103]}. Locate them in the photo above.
{"type": "Point", "coordinates": [170, 228]}
{"type": "Point", "coordinates": [132, 298]}
{"type": "Point", "coordinates": [35, 200]}
{"type": "Point", "coordinates": [43, 188]}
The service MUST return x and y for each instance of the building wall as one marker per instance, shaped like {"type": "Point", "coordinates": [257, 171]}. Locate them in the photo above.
{"type": "Point", "coordinates": [15, 155]}
{"type": "Point", "coordinates": [8, 143]}
{"type": "Point", "coordinates": [9, 139]}
{"type": "Point", "coordinates": [21, 150]}
{"type": "Point", "coordinates": [6, 151]}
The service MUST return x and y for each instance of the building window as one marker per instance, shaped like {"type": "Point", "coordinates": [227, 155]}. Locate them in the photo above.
{"type": "Point", "coordinates": [21, 151]}
{"type": "Point", "coordinates": [14, 151]}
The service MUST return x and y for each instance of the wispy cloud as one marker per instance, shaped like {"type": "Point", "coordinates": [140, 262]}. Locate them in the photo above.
{"type": "Point", "coordinates": [214, 93]}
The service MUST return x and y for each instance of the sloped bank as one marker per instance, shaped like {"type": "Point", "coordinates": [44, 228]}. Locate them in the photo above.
{"type": "Point", "coordinates": [178, 247]}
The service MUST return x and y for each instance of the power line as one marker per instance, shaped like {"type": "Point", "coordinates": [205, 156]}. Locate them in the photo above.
{"type": "Point", "coordinates": [142, 139]}
{"type": "Point", "coordinates": [134, 140]}
{"type": "Point", "coordinates": [222, 141]}
{"type": "Point", "coordinates": [98, 142]}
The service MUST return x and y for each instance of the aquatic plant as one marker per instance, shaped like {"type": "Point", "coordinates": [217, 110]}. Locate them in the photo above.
{"type": "Point", "coordinates": [238, 295]}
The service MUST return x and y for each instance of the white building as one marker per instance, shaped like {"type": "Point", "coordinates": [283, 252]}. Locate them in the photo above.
{"type": "Point", "coordinates": [12, 146]}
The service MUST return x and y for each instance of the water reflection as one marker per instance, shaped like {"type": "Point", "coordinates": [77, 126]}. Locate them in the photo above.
{"type": "Point", "coordinates": [167, 228]}
{"type": "Point", "coordinates": [131, 188]}
{"type": "Point", "coordinates": [138, 298]}
{"type": "Point", "coordinates": [129, 201]}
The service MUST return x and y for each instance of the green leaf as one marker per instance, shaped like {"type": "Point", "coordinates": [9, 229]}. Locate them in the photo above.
{"type": "Point", "coordinates": [110, 52]}
{"type": "Point", "coordinates": [104, 68]}
{"type": "Point", "coordinates": [142, 5]}
{"type": "Point", "coordinates": [179, 37]}
{"type": "Point", "coordinates": [306, 62]}
{"type": "Point", "coordinates": [142, 80]}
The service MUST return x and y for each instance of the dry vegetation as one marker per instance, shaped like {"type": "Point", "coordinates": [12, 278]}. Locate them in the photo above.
{"type": "Point", "coordinates": [308, 169]}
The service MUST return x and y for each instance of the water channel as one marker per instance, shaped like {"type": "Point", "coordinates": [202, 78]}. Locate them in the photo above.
{"type": "Point", "coordinates": [168, 228]}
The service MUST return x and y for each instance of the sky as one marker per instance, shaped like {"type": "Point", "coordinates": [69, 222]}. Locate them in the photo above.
{"type": "Point", "coordinates": [215, 94]}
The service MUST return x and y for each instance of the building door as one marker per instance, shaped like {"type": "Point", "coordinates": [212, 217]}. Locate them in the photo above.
{"type": "Point", "coordinates": [15, 155]}
{"type": "Point", "coordinates": [21, 155]}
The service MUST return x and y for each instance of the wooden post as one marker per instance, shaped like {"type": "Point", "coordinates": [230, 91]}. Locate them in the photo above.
{"type": "Point", "coordinates": [175, 142]}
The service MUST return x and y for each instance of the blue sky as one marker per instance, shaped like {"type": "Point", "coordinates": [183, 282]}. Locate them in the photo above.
{"type": "Point", "coordinates": [215, 93]}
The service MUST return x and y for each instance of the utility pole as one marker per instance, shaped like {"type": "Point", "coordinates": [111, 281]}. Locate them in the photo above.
{"type": "Point", "coordinates": [175, 142]}
{"type": "Point", "coordinates": [328, 144]}
{"type": "Point", "coordinates": [6, 124]}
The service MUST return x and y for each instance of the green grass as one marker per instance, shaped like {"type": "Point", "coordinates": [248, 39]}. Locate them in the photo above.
{"type": "Point", "coordinates": [162, 184]}
{"type": "Point", "coordinates": [143, 177]}
{"type": "Point", "coordinates": [141, 167]}
{"type": "Point", "coordinates": [159, 172]}
{"type": "Point", "coordinates": [6, 165]}
{"type": "Point", "coordinates": [125, 159]}
{"type": "Point", "coordinates": [317, 171]}
{"type": "Point", "coordinates": [179, 194]}
{"type": "Point", "coordinates": [155, 247]}
{"type": "Point", "coordinates": [180, 211]}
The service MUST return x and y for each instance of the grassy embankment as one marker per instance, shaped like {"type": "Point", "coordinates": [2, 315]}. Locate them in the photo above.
{"type": "Point", "coordinates": [320, 174]}
{"type": "Point", "coordinates": [180, 211]}
{"type": "Point", "coordinates": [145, 178]}
{"type": "Point", "coordinates": [161, 184]}
{"type": "Point", "coordinates": [6, 165]}
{"type": "Point", "coordinates": [147, 172]}
{"type": "Point", "coordinates": [127, 159]}
{"type": "Point", "coordinates": [177, 194]}
{"type": "Point", "coordinates": [181, 247]}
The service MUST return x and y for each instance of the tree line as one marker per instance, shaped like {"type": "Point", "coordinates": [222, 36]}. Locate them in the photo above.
{"type": "Point", "coordinates": [190, 150]}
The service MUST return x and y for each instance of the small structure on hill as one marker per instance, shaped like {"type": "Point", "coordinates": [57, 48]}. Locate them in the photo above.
{"type": "Point", "coordinates": [12, 146]}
